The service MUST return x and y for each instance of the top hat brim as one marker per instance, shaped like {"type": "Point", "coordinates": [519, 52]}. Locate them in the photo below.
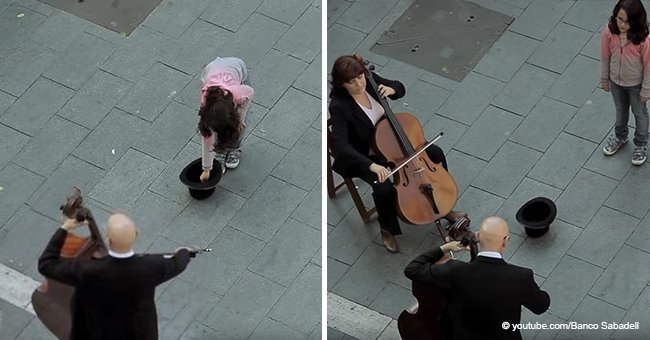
{"type": "Point", "coordinates": [552, 212]}
{"type": "Point", "coordinates": [194, 169]}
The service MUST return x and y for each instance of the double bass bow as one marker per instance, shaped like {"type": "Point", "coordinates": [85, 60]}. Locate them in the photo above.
{"type": "Point", "coordinates": [424, 320]}
{"type": "Point", "coordinates": [425, 190]}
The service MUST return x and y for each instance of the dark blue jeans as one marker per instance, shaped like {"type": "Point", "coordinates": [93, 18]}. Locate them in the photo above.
{"type": "Point", "coordinates": [624, 98]}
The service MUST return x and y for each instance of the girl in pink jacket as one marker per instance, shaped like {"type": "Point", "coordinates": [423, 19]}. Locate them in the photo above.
{"type": "Point", "coordinates": [625, 71]}
{"type": "Point", "coordinates": [225, 99]}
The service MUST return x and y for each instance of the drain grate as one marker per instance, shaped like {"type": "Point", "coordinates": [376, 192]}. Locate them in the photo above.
{"type": "Point", "coordinates": [122, 16]}
{"type": "Point", "coordinates": [444, 37]}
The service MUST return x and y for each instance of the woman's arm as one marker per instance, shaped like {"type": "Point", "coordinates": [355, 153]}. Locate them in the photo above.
{"type": "Point", "coordinates": [341, 145]}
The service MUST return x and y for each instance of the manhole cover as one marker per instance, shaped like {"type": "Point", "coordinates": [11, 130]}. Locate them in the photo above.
{"type": "Point", "coordinates": [444, 37]}
{"type": "Point", "coordinates": [121, 16]}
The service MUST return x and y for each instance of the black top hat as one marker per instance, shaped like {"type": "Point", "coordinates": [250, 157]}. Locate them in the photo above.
{"type": "Point", "coordinates": [190, 176]}
{"type": "Point", "coordinates": [537, 215]}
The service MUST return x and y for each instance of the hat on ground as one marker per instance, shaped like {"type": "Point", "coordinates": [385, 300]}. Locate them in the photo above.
{"type": "Point", "coordinates": [190, 176]}
{"type": "Point", "coordinates": [537, 215]}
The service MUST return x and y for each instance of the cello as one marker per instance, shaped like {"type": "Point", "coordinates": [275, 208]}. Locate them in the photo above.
{"type": "Point", "coordinates": [425, 190]}
{"type": "Point", "coordinates": [53, 300]}
{"type": "Point", "coordinates": [423, 321]}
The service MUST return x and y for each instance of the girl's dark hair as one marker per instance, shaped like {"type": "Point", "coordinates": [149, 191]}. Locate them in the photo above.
{"type": "Point", "coordinates": [345, 68]}
{"type": "Point", "coordinates": [219, 115]}
{"type": "Point", "coordinates": [636, 17]}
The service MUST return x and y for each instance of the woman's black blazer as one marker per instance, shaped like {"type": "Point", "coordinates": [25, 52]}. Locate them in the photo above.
{"type": "Point", "coordinates": [352, 130]}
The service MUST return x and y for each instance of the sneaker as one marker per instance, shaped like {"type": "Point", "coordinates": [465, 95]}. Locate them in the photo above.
{"type": "Point", "coordinates": [613, 144]}
{"type": "Point", "coordinates": [640, 155]}
{"type": "Point", "coordinates": [220, 157]}
{"type": "Point", "coordinates": [232, 158]}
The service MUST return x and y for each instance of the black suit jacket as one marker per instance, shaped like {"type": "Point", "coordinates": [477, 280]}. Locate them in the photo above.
{"type": "Point", "coordinates": [114, 297]}
{"type": "Point", "coordinates": [352, 130]}
{"type": "Point", "coordinates": [481, 294]}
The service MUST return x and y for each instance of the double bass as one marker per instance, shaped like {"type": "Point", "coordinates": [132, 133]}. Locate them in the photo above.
{"type": "Point", "coordinates": [426, 192]}
{"type": "Point", "coordinates": [424, 320]}
{"type": "Point", "coordinates": [53, 300]}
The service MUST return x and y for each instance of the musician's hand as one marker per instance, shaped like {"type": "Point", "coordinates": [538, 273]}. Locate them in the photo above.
{"type": "Point", "coordinates": [71, 224]}
{"type": "Point", "coordinates": [385, 91]}
{"type": "Point", "coordinates": [452, 246]}
{"type": "Point", "coordinates": [382, 172]}
{"type": "Point", "coordinates": [205, 175]}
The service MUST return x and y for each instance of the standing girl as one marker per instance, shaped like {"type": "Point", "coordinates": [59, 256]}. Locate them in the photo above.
{"type": "Point", "coordinates": [625, 71]}
{"type": "Point", "coordinates": [225, 100]}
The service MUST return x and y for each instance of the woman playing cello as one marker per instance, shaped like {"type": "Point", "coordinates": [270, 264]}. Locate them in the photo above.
{"type": "Point", "coordinates": [355, 110]}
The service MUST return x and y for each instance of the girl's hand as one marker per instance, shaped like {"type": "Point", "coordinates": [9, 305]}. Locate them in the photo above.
{"type": "Point", "coordinates": [644, 99]}
{"type": "Point", "coordinates": [385, 91]}
{"type": "Point", "coordinates": [605, 85]}
{"type": "Point", "coordinates": [382, 172]}
{"type": "Point", "coordinates": [205, 175]}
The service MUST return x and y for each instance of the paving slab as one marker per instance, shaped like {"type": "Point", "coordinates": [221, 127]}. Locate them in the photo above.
{"type": "Point", "coordinates": [284, 256]}
{"type": "Point", "coordinates": [543, 254]}
{"type": "Point", "coordinates": [228, 15]}
{"type": "Point", "coordinates": [623, 280]}
{"type": "Point", "coordinates": [595, 118]}
{"type": "Point", "coordinates": [630, 195]}
{"type": "Point", "coordinates": [493, 122]}
{"type": "Point", "coordinates": [80, 61]}
{"type": "Point", "coordinates": [60, 30]}
{"type": "Point", "coordinates": [359, 18]}
{"type": "Point", "coordinates": [543, 124]}
{"type": "Point", "coordinates": [47, 150]}
{"type": "Point", "coordinates": [593, 311]}
{"type": "Point", "coordinates": [16, 29]}
{"type": "Point", "coordinates": [268, 208]}
{"type": "Point", "coordinates": [302, 164]}
{"type": "Point", "coordinates": [473, 96]}
{"type": "Point", "coordinates": [525, 89]}
{"type": "Point", "coordinates": [275, 74]}
{"type": "Point", "coordinates": [12, 142]}
{"type": "Point", "coordinates": [577, 82]}
{"type": "Point", "coordinates": [506, 169]}
{"type": "Point", "coordinates": [559, 49]}
{"type": "Point", "coordinates": [565, 157]}
{"type": "Point", "coordinates": [202, 220]}
{"type": "Point", "coordinates": [588, 14]}
{"type": "Point", "coordinates": [300, 41]}
{"type": "Point", "coordinates": [296, 307]}
{"type": "Point", "coordinates": [568, 285]}
{"type": "Point", "coordinates": [18, 185]}
{"type": "Point", "coordinates": [111, 139]}
{"type": "Point", "coordinates": [95, 99]}
{"type": "Point", "coordinates": [295, 111]}
{"type": "Point", "coordinates": [36, 106]}
{"type": "Point", "coordinates": [507, 56]}
{"type": "Point", "coordinates": [174, 17]}
{"type": "Point", "coordinates": [242, 309]}
{"type": "Point", "coordinates": [576, 209]}
{"type": "Point", "coordinates": [256, 38]}
{"type": "Point", "coordinates": [422, 100]}
{"type": "Point", "coordinates": [540, 18]}
{"type": "Point", "coordinates": [201, 43]}
{"type": "Point", "coordinates": [140, 51]}
{"type": "Point", "coordinates": [126, 181]}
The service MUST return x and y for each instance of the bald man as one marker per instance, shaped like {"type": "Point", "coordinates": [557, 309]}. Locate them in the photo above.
{"type": "Point", "coordinates": [484, 293]}
{"type": "Point", "coordinates": [114, 296]}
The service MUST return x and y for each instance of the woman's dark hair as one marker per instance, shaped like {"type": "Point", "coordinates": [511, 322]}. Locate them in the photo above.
{"type": "Point", "coordinates": [636, 18]}
{"type": "Point", "coordinates": [219, 115]}
{"type": "Point", "coordinates": [345, 68]}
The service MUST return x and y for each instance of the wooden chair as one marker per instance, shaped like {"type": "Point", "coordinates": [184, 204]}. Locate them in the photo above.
{"type": "Point", "coordinates": [332, 187]}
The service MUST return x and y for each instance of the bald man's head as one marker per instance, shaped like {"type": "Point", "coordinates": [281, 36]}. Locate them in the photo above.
{"type": "Point", "coordinates": [121, 233]}
{"type": "Point", "coordinates": [493, 235]}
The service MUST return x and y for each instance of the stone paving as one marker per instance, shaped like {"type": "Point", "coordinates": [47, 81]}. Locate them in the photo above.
{"type": "Point", "coordinates": [529, 120]}
{"type": "Point", "coordinates": [83, 106]}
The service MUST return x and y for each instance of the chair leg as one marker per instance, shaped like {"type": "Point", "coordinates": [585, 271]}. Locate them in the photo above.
{"type": "Point", "coordinates": [331, 189]}
{"type": "Point", "coordinates": [358, 202]}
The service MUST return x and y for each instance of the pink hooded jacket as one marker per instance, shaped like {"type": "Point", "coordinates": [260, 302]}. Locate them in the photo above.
{"type": "Point", "coordinates": [626, 66]}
